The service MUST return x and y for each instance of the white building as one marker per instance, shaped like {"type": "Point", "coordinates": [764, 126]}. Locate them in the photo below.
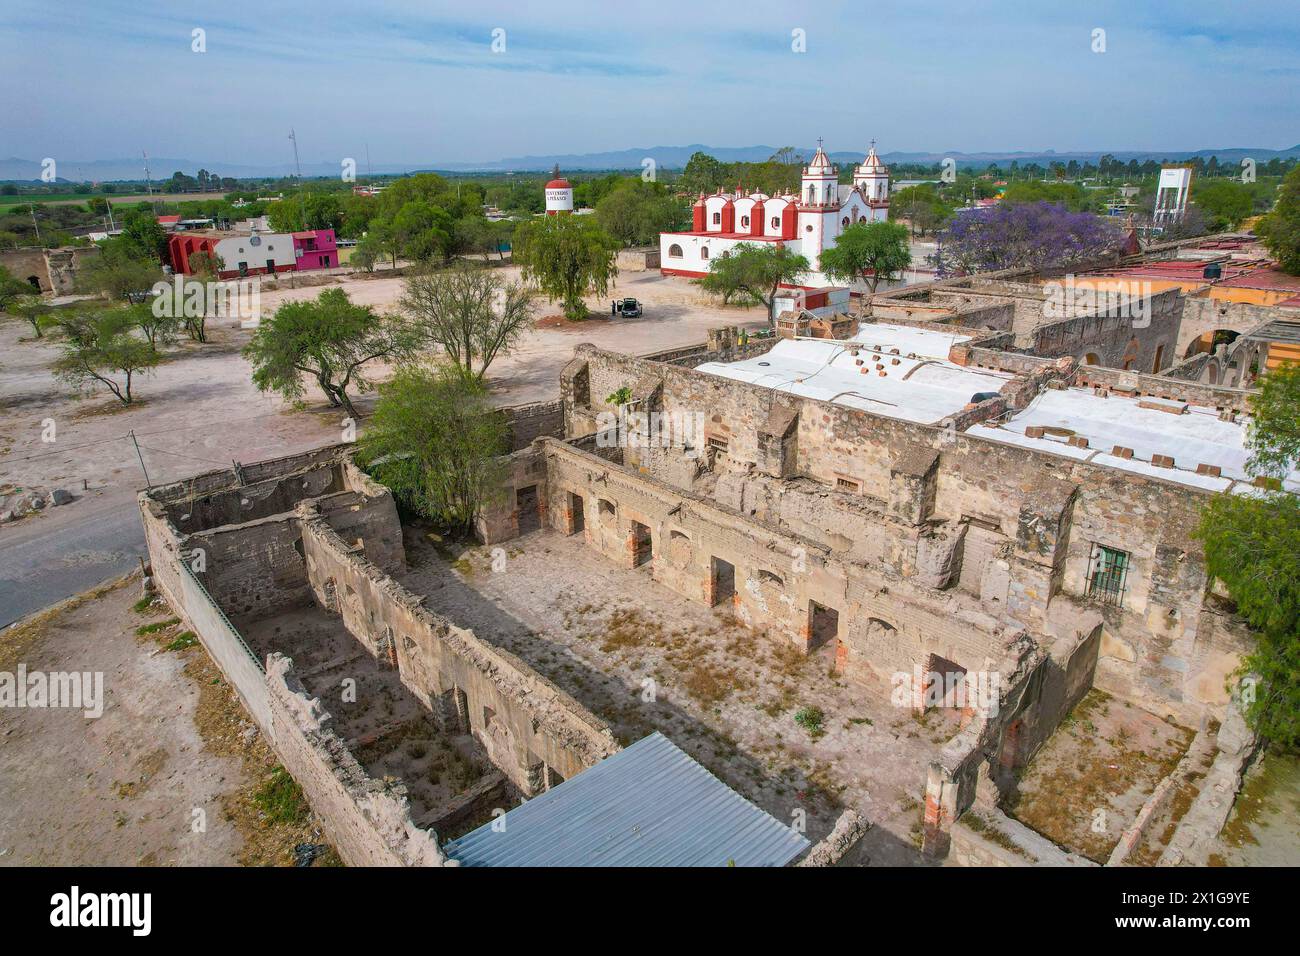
{"type": "Point", "coordinates": [806, 223]}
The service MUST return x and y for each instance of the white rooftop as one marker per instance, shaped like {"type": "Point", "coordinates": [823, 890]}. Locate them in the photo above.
{"type": "Point", "coordinates": [922, 387]}
{"type": "Point", "coordinates": [1193, 438]}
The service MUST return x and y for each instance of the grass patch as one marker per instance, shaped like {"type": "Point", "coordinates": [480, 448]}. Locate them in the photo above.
{"type": "Point", "coordinates": [144, 630]}
{"type": "Point", "coordinates": [280, 798]}
{"type": "Point", "coordinates": [811, 719]}
{"type": "Point", "coordinates": [182, 641]}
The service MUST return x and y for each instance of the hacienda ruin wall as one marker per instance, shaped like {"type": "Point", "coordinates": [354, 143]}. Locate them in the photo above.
{"type": "Point", "coordinates": [337, 543]}
{"type": "Point", "coordinates": [1012, 526]}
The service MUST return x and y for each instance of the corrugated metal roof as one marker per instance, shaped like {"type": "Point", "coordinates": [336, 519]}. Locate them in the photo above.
{"type": "Point", "coordinates": [647, 805]}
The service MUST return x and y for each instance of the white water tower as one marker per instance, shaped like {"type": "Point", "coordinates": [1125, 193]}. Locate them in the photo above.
{"type": "Point", "coordinates": [559, 194]}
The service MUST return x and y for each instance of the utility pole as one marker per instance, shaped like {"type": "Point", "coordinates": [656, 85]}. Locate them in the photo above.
{"type": "Point", "coordinates": [147, 483]}
{"type": "Point", "coordinates": [35, 224]}
{"type": "Point", "coordinates": [148, 182]}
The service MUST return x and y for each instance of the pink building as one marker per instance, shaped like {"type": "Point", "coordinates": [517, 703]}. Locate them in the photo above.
{"type": "Point", "coordinates": [315, 249]}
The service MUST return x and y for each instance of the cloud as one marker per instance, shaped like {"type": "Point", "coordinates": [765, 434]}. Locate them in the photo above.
{"type": "Point", "coordinates": [419, 82]}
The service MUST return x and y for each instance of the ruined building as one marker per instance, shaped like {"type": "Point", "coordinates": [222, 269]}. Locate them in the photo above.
{"type": "Point", "coordinates": [960, 488]}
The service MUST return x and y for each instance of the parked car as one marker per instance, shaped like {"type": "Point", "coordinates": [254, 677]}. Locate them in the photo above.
{"type": "Point", "coordinates": [627, 308]}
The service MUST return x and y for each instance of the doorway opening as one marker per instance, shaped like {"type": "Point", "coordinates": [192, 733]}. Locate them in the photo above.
{"type": "Point", "coordinates": [723, 575]}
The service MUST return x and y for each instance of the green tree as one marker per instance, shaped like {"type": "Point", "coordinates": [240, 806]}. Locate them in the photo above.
{"type": "Point", "coordinates": [328, 338]}
{"type": "Point", "coordinates": [31, 309]}
{"type": "Point", "coordinates": [106, 356]}
{"type": "Point", "coordinates": [142, 237]}
{"type": "Point", "coordinates": [703, 173]}
{"type": "Point", "coordinates": [423, 231]}
{"type": "Point", "coordinates": [116, 274]}
{"type": "Point", "coordinates": [435, 440]}
{"type": "Point", "coordinates": [635, 212]}
{"type": "Point", "coordinates": [1252, 545]}
{"type": "Point", "coordinates": [568, 257]}
{"type": "Point", "coordinates": [11, 288]}
{"type": "Point", "coordinates": [1280, 229]}
{"type": "Point", "coordinates": [1224, 202]}
{"type": "Point", "coordinates": [752, 273]}
{"type": "Point", "coordinates": [868, 251]}
{"type": "Point", "coordinates": [158, 327]}
{"type": "Point", "coordinates": [470, 312]}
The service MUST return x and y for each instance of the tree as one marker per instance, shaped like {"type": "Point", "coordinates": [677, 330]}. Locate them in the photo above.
{"type": "Point", "coordinates": [874, 250]}
{"type": "Point", "coordinates": [753, 272]}
{"type": "Point", "coordinates": [435, 440]}
{"type": "Point", "coordinates": [1280, 229]}
{"type": "Point", "coordinates": [328, 338]}
{"type": "Point", "coordinates": [635, 213]}
{"type": "Point", "coordinates": [31, 309]}
{"type": "Point", "coordinates": [12, 288]}
{"type": "Point", "coordinates": [1274, 433]}
{"type": "Point", "coordinates": [157, 329]}
{"type": "Point", "coordinates": [107, 355]}
{"type": "Point", "coordinates": [1225, 203]}
{"type": "Point", "coordinates": [703, 174]}
{"type": "Point", "coordinates": [568, 257]}
{"type": "Point", "coordinates": [470, 312]}
{"type": "Point", "coordinates": [205, 268]}
{"type": "Point", "coordinates": [1252, 545]}
{"type": "Point", "coordinates": [142, 237]}
{"type": "Point", "coordinates": [115, 274]}
{"type": "Point", "coordinates": [1037, 235]}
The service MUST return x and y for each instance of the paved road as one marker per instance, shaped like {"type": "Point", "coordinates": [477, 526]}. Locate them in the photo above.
{"type": "Point", "coordinates": [56, 555]}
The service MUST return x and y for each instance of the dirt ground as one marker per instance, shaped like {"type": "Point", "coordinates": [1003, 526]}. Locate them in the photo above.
{"type": "Point", "coordinates": [171, 773]}
{"type": "Point", "coordinates": [200, 410]}
{"type": "Point", "coordinates": [1094, 774]}
{"type": "Point", "coordinates": [725, 694]}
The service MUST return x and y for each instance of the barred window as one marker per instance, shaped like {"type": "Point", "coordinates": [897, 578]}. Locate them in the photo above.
{"type": "Point", "coordinates": [1107, 571]}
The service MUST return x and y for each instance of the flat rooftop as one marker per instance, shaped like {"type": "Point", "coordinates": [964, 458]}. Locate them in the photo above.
{"type": "Point", "coordinates": [918, 383]}
{"type": "Point", "coordinates": [1189, 434]}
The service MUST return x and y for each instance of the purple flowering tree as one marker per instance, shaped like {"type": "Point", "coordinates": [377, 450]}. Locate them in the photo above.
{"type": "Point", "coordinates": [1040, 235]}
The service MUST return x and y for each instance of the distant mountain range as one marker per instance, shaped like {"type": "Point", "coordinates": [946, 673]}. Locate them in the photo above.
{"type": "Point", "coordinates": [665, 157]}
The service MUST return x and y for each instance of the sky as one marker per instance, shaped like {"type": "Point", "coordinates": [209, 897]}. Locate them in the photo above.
{"type": "Point", "coordinates": [421, 82]}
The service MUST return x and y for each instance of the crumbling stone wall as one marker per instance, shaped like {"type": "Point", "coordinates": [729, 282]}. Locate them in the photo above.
{"type": "Point", "coordinates": [535, 733]}
{"type": "Point", "coordinates": [1045, 515]}
{"type": "Point", "coordinates": [369, 821]}
{"type": "Point", "coordinates": [1201, 314]}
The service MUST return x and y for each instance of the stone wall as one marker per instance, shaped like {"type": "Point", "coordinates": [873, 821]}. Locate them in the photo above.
{"type": "Point", "coordinates": [535, 733]}
{"type": "Point", "coordinates": [1012, 527]}
{"type": "Point", "coordinates": [338, 545]}
{"type": "Point", "coordinates": [1203, 314]}
{"type": "Point", "coordinates": [533, 421]}
{"type": "Point", "coordinates": [368, 821]}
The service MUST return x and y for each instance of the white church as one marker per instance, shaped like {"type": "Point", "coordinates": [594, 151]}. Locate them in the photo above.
{"type": "Point", "coordinates": [806, 224]}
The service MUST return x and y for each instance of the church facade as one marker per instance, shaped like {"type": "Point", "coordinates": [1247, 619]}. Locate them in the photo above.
{"type": "Point", "coordinates": [807, 223]}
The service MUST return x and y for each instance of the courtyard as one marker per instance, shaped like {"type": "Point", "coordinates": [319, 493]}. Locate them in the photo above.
{"type": "Point", "coordinates": [780, 728]}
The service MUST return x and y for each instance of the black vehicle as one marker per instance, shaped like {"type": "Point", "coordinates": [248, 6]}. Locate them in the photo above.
{"type": "Point", "coordinates": [627, 308]}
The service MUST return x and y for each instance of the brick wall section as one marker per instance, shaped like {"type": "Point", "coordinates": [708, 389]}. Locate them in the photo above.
{"type": "Point", "coordinates": [368, 821]}
{"type": "Point", "coordinates": [1156, 643]}
{"type": "Point", "coordinates": [533, 421]}
{"type": "Point", "coordinates": [525, 722]}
